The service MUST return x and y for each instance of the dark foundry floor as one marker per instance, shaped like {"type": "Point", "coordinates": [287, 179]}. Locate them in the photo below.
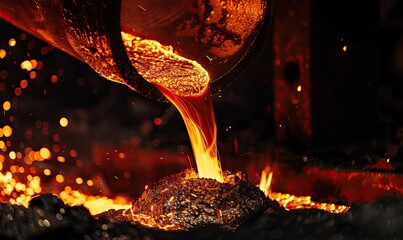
{"type": "Point", "coordinates": [49, 218]}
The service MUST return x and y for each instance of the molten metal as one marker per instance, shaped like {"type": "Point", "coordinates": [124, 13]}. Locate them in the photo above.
{"type": "Point", "coordinates": [290, 202]}
{"type": "Point", "coordinates": [184, 201]}
{"type": "Point", "coordinates": [186, 84]}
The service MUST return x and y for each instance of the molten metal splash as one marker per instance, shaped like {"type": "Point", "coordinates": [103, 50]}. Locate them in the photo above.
{"type": "Point", "coordinates": [291, 202]}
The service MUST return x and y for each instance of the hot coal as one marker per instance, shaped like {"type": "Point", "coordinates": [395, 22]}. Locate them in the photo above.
{"type": "Point", "coordinates": [184, 201]}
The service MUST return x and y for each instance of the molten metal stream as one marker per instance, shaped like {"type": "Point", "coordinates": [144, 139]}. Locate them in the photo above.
{"type": "Point", "coordinates": [186, 84]}
{"type": "Point", "coordinates": [197, 113]}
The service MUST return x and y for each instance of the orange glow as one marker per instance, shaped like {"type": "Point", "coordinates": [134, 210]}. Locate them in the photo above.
{"type": "Point", "coordinates": [12, 155]}
{"type": "Point", "coordinates": [16, 191]}
{"type": "Point", "coordinates": [34, 63]}
{"type": "Point", "coordinates": [61, 159]}
{"type": "Point", "coordinates": [90, 183]}
{"type": "Point", "coordinates": [7, 131]}
{"type": "Point", "coordinates": [290, 202]}
{"type": "Point", "coordinates": [95, 204]}
{"type": "Point", "coordinates": [63, 122]}
{"type": "Point", "coordinates": [344, 48]}
{"type": "Point", "coordinates": [47, 172]}
{"type": "Point", "coordinates": [12, 42]}
{"type": "Point", "coordinates": [186, 85]}
{"type": "Point", "coordinates": [19, 179]}
{"type": "Point", "coordinates": [150, 222]}
{"type": "Point", "coordinates": [265, 181]}
{"type": "Point", "coordinates": [6, 105]}
{"type": "Point", "coordinates": [19, 192]}
{"type": "Point", "coordinates": [32, 75]}
{"type": "Point", "coordinates": [197, 113]}
{"type": "Point", "coordinates": [3, 53]}
{"type": "Point", "coordinates": [79, 180]}
{"type": "Point", "coordinates": [24, 83]}
{"type": "Point", "coordinates": [157, 121]}
{"type": "Point", "coordinates": [159, 65]}
{"type": "Point", "coordinates": [18, 91]}
{"type": "Point", "coordinates": [54, 78]}
{"type": "Point", "coordinates": [59, 178]}
{"type": "Point", "coordinates": [27, 65]}
{"type": "Point", "coordinates": [73, 153]}
{"type": "Point", "coordinates": [45, 153]}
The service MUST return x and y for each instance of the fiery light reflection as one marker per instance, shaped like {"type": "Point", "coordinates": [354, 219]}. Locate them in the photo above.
{"type": "Point", "coordinates": [291, 202]}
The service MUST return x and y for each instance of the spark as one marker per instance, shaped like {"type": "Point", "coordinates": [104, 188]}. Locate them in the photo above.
{"type": "Point", "coordinates": [142, 8]}
{"type": "Point", "coordinates": [6, 105]}
{"type": "Point", "coordinates": [12, 42]}
{"type": "Point", "coordinates": [209, 58]}
{"type": "Point", "coordinates": [63, 122]}
{"type": "Point", "coordinates": [3, 53]}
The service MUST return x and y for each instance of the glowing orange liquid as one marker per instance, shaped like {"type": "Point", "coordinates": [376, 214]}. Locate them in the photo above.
{"type": "Point", "coordinates": [186, 84]}
{"type": "Point", "coordinates": [198, 115]}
